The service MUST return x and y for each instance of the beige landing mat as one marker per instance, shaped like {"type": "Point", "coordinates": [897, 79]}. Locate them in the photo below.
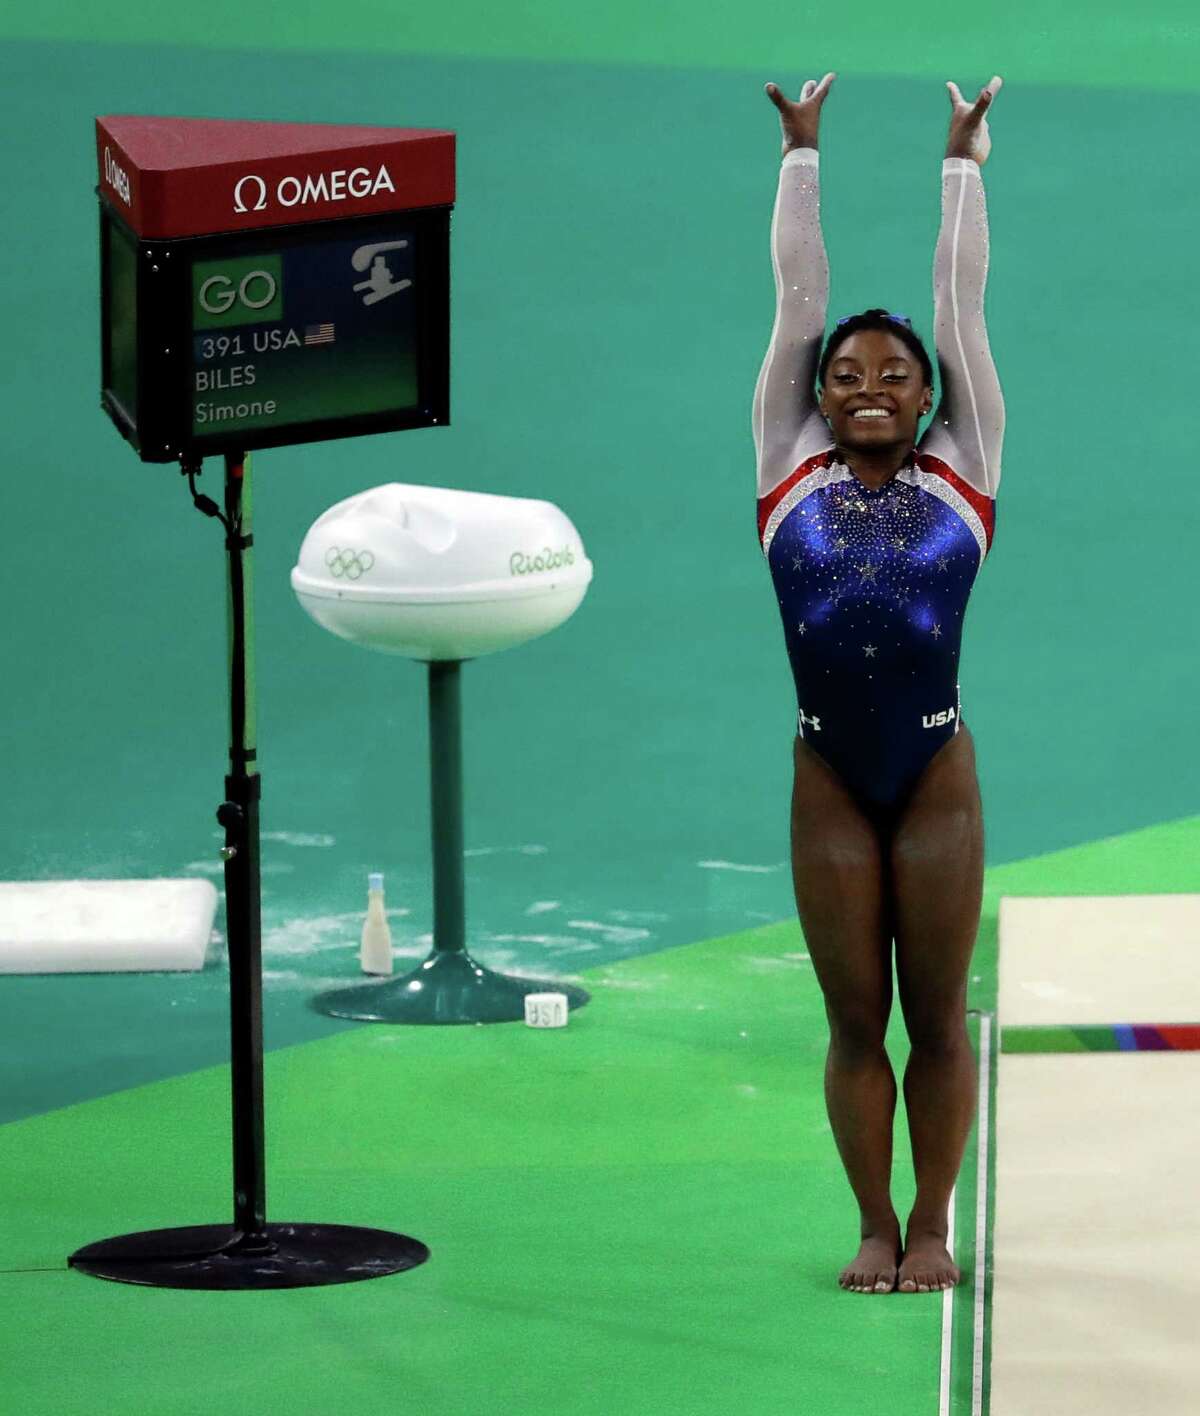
{"type": "Point", "coordinates": [1099, 959]}
{"type": "Point", "coordinates": [1096, 1298]}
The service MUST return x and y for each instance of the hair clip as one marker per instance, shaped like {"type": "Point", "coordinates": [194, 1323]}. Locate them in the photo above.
{"type": "Point", "coordinates": [897, 318]}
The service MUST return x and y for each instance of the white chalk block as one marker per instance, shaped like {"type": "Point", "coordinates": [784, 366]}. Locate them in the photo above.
{"type": "Point", "coordinates": [105, 926]}
{"type": "Point", "coordinates": [546, 1010]}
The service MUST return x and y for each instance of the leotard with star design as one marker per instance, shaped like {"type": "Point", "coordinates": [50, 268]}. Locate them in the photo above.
{"type": "Point", "coordinates": [873, 585]}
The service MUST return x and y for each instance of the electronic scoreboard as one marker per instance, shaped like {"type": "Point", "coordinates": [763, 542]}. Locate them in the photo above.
{"type": "Point", "coordinates": [271, 283]}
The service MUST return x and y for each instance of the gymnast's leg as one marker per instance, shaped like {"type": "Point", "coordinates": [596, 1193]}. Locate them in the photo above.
{"type": "Point", "coordinates": [838, 863]}
{"type": "Point", "coordinates": [937, 886]}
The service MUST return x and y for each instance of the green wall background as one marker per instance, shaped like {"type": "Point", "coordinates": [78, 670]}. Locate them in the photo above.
{"type": "Point", "coordinates": [628, 775]}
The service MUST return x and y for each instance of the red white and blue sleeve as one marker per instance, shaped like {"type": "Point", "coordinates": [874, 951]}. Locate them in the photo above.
{"type": "Point", "coordinates": [788, 426]}
{"type": "Point", "coordinates": [967, 431]}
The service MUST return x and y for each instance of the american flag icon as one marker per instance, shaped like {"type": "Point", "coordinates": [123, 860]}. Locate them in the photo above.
{"type": "Point", "coordinates": [318, 334]}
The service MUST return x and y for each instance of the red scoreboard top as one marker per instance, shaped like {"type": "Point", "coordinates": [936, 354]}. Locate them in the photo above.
{"type": "Point", "coordinates": [172, 177]}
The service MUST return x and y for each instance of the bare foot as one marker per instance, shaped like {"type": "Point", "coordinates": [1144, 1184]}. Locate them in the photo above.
{"type": "Point", "coordinates": [873, 1268]}
{"type": "Point", "coordinates": [927, 1266]}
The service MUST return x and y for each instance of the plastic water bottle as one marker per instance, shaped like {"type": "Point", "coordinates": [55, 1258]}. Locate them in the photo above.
{"type": "Point", "coordinates": [376, 952]}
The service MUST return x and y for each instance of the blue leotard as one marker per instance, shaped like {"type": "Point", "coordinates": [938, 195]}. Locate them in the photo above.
{"type": "Point", "coordinates": [873, 585]}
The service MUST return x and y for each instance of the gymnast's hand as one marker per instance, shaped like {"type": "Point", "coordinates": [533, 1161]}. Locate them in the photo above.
{"type": "Point", "coordinates": [968, 122]}
{"type": "Point", "coordinates": [801, 120]}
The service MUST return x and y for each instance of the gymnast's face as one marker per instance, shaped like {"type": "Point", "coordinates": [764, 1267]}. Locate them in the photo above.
{"type": "Point", "coordinates": [874, 369]}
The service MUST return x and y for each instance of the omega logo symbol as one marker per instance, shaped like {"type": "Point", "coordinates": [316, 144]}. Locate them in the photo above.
{"type": "Point", "coordinates": [336, 186]}
{"type": "Point", "coordinates": [117, 177]}
{"type": "Point", "coordinates": [239, 205]}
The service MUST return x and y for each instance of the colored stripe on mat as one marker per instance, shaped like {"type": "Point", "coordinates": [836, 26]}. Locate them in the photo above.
{"type": "Point", "coordinates": [1104, 1037]}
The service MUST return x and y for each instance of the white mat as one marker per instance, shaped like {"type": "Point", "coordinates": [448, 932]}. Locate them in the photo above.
{"type": "Point", "coordinates": [1096, 1303]}
{"type": "Point", "coordinates": [105, 926]}
{"type": "Point", "coordinates": [1096, 1300]}
{"type": "Point", "coordinates": [1078, 959]}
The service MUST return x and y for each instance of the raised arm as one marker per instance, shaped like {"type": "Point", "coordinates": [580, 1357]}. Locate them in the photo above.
{"type": "Point", "coordinates": [785, 418]}
{"type": "Point", "coordinates": [967, 431]}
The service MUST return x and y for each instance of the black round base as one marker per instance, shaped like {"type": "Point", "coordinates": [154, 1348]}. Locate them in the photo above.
{"type": "Point", "coordinates": [448, 987]}
{"type": "Point", "coordinates": [220, 1256]}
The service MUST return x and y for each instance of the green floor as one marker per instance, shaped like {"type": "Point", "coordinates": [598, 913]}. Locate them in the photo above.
{"type": "Point", "coordinates": [646, 1212]}
{"type": "Point", "coordinates": [638, 1214]}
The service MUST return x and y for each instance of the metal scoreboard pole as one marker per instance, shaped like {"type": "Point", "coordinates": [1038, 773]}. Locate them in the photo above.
{"type": "Point", "coordinates": [238, 813]}
{"type": "Point", "coordinates": [250, 1253]}
{"type": "Point", "coordinates": [233, 255]}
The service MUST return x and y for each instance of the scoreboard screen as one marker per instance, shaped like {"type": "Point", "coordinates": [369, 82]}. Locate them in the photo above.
{"type": "Point", "coordinates": [324, 330]}
{"type": "Point", "coordinates": [286, 335]}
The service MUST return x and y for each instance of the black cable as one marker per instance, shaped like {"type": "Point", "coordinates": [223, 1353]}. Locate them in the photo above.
{"type": "Point", "coordinates": [191, 470]}
{"type": "Point", "coordinates": [232, 1246]}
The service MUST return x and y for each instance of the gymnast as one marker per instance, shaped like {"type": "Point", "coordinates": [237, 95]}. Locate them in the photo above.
{"type": "Point", "coordinates": [873, 541]}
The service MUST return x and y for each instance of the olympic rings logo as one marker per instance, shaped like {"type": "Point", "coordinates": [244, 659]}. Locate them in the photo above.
{"type": "Point", "coordinates": [350, 564]}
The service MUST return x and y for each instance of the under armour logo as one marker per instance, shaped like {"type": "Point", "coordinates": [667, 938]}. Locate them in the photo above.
{"type": "Point", "coordinates": [812, 722]}
{"type": "Point", "coordinates": [351, 564]}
